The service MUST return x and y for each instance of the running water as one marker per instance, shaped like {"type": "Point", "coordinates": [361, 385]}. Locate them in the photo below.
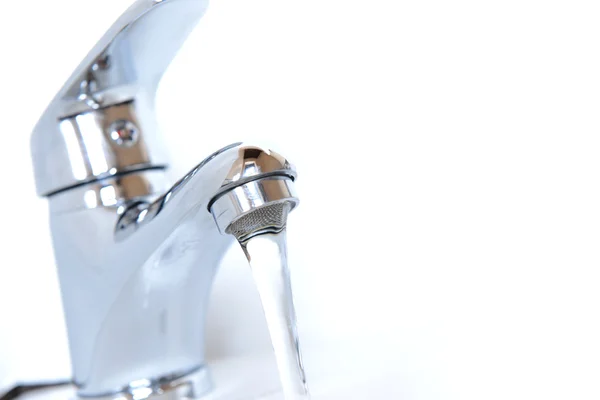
{"type": "Point", "coordinates": [267, 255]}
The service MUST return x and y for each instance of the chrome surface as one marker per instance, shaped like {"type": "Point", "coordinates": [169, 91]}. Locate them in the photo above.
{"type": "Point", "coordinates": [257, 161]}
{"type": "Point", "coordinates": [118, 191]}
{"type": "Point", "coordinates": [117, 80]}
{"type": "Point", "coordinates": [124, 133]}
{"type": "Point", "coordinates": [247, 377]}
{"type": "Point", "coordinates": [258, 178]}
{"type": "Point", "coordinates": [241, 200]}
{"type": "Point", "coordinates": [136, 270]}
{"type": "Point", "coordinates": [92, 151]}
{"type": "Point", "coordinates": [136, 254]}
{"type": "Point", "coordinates": [192, 385]}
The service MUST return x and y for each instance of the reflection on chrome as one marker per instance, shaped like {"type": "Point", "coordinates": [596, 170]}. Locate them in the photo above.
{"type": "Point", "coordinates": [136, 253]}
{"type": "Point", "coordinates": [73, 147]}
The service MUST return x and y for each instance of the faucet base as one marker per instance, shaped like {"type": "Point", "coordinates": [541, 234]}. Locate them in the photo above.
{"type": "Point", "coordinates": [194, 385]}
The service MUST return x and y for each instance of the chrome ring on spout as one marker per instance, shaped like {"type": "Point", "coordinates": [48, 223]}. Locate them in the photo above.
{"type": "Point", "coordinates": [240, 200]}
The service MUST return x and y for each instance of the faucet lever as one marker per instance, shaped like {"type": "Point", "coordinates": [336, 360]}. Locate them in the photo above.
{"type": "Point", "coordinates": [102, 122]}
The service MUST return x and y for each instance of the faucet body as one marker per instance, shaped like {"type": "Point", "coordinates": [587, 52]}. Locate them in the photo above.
{"type": "Point", "coordinates": [135, 253]}
{"type": "Point", "coordinates": [135, 302]}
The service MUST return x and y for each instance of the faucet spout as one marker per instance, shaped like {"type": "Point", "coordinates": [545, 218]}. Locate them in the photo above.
{"type": "Point", "coordinates": [136, 273]}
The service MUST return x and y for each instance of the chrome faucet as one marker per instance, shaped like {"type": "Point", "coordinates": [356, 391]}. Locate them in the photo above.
{"type": "Point", "coordinates": [136, 255]}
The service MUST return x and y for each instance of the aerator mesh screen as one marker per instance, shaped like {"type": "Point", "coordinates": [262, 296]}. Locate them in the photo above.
{"type": "Point", "coordinates": [269, 218]}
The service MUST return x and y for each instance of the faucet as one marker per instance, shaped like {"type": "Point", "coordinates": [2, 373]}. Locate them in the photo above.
{"type": "Point", "coordinates": [135, 253]}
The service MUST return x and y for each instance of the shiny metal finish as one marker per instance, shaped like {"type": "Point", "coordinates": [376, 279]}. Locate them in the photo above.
{"type": "Point", "coordinates": [258, 178]}
{"type": "Point", "coordinates": [254, 161]}
{"type": "Point", "coordinates": [194, 384]}
{"type": "Point", "coordinates": [115, 191]}
{"type": "Point", "coordinates": [117, 80]}
{"type": "Point", "coordinates": [136, 275]}
{"type": "Point", "coordinates": [239, 201]}
{"type": "Point", "coordinates": [94, 154]}
{"type": "Point", "coordinates": [136, 254]}
{"type": "Point", "coordinates": [123, 132]}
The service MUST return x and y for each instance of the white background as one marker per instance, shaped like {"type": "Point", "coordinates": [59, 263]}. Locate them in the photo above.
{"type": "Point", "coordinates": [447, 244]}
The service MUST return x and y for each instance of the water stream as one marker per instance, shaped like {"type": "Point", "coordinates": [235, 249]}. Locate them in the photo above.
{"type": "Point", "coordinates": [267, 255]}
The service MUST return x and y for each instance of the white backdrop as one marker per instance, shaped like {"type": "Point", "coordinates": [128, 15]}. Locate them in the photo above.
{"type": "Point", "coordinates": [447, 242]}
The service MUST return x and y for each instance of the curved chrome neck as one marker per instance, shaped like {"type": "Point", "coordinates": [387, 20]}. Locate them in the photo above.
{"type": "Point", "coordinates": [135, 277]}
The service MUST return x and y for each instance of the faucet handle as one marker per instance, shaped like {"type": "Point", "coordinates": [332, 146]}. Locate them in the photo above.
{"type": "Point", "coordinates": [102, 122]}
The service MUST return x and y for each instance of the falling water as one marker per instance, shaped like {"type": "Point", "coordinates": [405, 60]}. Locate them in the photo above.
{"type": "Point", "coordinates": [267, 255]}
